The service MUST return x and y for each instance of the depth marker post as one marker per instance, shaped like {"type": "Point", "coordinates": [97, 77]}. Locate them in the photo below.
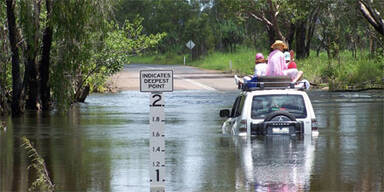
{"type": "Point", "coordinates": [156, 82]}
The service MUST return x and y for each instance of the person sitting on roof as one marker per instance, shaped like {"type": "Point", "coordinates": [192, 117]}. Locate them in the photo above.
{"type": "Point", "coordinates": [260, 70]}
{"type": "Point", "coordinates": [260, 65]}
{"type": "Point", "coordinates": [276, 60]}
{"type": "Point", "coordinates": [292, 71]}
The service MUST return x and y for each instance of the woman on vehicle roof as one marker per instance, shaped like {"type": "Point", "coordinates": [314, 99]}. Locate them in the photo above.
{"type": "Point", "coordinates": [276, 60]}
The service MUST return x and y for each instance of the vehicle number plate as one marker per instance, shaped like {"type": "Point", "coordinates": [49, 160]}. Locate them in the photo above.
{"type": "Point", "coordinates": [283, 130]}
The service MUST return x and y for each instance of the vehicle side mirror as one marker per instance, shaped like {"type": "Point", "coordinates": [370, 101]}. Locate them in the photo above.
{"type": "Point", "coordinates": [224, 113]}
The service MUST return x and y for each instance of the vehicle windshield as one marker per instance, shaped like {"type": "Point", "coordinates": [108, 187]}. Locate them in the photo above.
{"type": "Point", "coordinates": [265, 104]}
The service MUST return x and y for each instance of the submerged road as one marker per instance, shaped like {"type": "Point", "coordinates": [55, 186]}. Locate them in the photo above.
{"type": "Point", "coordinates": [185, 78]}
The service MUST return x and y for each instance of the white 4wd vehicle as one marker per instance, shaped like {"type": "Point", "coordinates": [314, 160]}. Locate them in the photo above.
{"type": "Point", "coordinates": [270, 111]}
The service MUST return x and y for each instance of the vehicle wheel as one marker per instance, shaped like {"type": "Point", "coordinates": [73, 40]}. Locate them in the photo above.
{"type": "Point", "coordinates": [280, 116]}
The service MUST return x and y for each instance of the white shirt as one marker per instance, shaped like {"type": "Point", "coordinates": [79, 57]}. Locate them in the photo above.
{"type": "Point", "coordinates": [260, 69]}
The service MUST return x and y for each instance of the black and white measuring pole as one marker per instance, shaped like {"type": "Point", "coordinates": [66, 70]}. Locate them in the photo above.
{"type": "Point", "coordinates": [157, 141]}
{"type": "Point", "coordinates": [156, 82]}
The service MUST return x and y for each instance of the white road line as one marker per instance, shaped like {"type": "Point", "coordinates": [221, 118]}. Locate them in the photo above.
{"type": "Point", "coordinates": [198, 84]}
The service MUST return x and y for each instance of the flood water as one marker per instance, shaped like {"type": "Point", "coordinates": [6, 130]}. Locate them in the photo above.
{"type": "Point", "coordinates": [103, 145]}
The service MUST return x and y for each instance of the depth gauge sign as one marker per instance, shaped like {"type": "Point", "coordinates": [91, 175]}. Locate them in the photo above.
{"type": "Point", "coordinates": [156, 82]}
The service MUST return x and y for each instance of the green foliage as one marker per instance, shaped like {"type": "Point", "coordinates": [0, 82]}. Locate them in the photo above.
{"type": "Point", "coordinates": [28, 13]}
{"type": "Point", "coordinates": [199, 31]}
{"type": "Point", "coordinates": [349, 73]}
{"type": "Point", "coordinates": [43, 181]}
{"type": "Point", "coordinates": [73, 44]}
{"type": "Point", "coordinates": [88, 48]}
{"type": "Point", "coordinates": [231, 33]}
{"type": "Point", "coordinates": [160, 16]}
{"type": "Point", "coordinates": [120, 44]}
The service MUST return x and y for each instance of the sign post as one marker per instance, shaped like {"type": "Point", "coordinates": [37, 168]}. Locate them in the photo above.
{"type": "Point", "coordinates": [156, 82]}
{"type": "Point", "coordinates": [190, 44]}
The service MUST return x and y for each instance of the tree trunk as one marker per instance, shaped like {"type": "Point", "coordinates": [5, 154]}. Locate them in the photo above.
{"type": "Point", "coordinates": [318, 50]}
{"type": "Point", "coordinates": [311, 29]}
{"type": "Point", "coordinates": [3, 70]}
{"type": "Point", "coordinates": [31, 83]}
{"type": "Point", "coordinates": [83, 94]}
{"type": "Point", "coordinates": [300, 40]}
{"type": "Point", "coordinates": [273, 15]}
{"type": "Point", "coordinates": [271, 35]}
{"type": "Point", "coordinates": [372, 15]}
{"type": "Point", "coordinates": [45, 61]}
{"type": "Point", "coordinates": [31, 86]}
{"type": "Point", "coordinates": [16, 80]}
{"type": "Point", "coordinates": [291, 35]}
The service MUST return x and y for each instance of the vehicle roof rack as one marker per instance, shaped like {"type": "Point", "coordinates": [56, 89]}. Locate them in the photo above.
{"type": "Point", "coordinates": [271, 83]}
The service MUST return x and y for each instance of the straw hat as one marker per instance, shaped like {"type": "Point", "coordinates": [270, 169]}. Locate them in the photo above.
{"type": "Point", "coordinates": [279, 43]}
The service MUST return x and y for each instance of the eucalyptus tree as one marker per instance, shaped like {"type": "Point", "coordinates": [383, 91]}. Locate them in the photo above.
{"type": "Point", "coordinates": [303, 16]}
{"type": "Point", "coordinates": [30, 25]}
{"type": "Point", "coordinates": [373, 11]}
{"type": "Point", "coordinates": [269, 12]}
{"type": "Point", "coordinates": [4, 59]}
{"type": "Point", "coordinates": [44, 64]}
{"type": "Point", "coordinates": [16, 78]}
{"type": "Point", "coordinates": [79, 27]}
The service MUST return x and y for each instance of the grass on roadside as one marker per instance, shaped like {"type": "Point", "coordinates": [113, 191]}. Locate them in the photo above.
{"type": "Point", "coordinates": [240, 62]}
{"type": "Point", "coordinates": [168, 58]}
{"type": "Point", "coordinates": [360, 72]}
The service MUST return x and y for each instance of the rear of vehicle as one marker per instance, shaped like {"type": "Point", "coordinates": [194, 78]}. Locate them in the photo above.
{"type": "Point", "coordinates": [271, 112]}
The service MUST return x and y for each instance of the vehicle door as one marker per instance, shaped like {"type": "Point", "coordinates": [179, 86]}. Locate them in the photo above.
{"type": "Point", "coordinates": [228, 124]}
{"type": "Point", "coordinates": [236, 113]}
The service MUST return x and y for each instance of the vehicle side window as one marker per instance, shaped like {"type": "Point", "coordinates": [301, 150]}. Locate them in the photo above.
{"type": "Point", "coordinates": [234, 107]}
{"type": "Point", "coordinates": [238, 106]}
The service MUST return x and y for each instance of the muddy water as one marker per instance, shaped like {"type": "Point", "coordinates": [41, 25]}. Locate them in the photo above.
{"type": "Point", "coordinates": [102, 145]}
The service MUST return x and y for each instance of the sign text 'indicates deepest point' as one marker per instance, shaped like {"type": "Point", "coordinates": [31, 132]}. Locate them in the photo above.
{"type": "Point", "coordinates": [156, 80]}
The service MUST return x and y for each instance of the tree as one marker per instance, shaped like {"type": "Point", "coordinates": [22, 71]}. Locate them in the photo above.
{"type": "Point", "coordinates": [231, 34]}
{"type": "Point", "coordinates": [372, 14]}
{"type": "Point", "coordinates": [68, 48]}
{"type": "Point", "coordinates": [267, 12]}
{"type": "Point", "coordinates": [89, 48]}
{"type": "Point", "coordinates": [304, 16]}
{"type": "Point", "coordinates": [16, 80]}
{"type": "Point", "coordinates": [30, 22]}
{"type": "Point", "coordinates": [45, 91]}
{"type": "Point", "coordinates": [4, 59]}
{"type": "Point", "coordinates": [170, 17]}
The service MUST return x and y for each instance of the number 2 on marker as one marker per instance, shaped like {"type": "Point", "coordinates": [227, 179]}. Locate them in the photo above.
{"type": "Point", "coordinates": [154, 104]}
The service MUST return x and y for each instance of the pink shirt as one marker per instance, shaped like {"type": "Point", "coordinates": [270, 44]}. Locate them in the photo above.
{"type": "Point", "coordinates": [276, 63]}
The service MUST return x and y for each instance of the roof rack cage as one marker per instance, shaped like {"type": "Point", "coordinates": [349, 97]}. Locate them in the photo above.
{"type": "Point", "coordinates": [269, 83]}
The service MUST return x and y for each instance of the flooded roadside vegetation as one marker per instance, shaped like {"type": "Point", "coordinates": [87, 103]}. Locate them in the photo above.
{"type": "Point", "coordinates": [103, 145]}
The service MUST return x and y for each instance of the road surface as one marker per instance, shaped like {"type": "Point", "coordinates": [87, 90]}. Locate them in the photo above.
{"type": "Point", "coordinates": [185, 78]}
